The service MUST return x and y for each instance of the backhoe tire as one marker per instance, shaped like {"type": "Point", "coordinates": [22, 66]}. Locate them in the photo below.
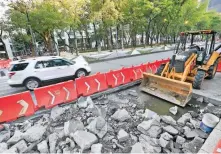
{"type": "Point", "coordinates": [212, 70]}
{"type": "Point", "coordinates": [198, 80]}
{"type": "Point", "coordinates": [160, 69]}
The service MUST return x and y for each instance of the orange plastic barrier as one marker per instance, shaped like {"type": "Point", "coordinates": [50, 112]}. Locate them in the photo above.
{"type": "Point", "coordinates": [118, 77]}
{"type": "Point", "coordinates": [53, 95]}
{"type": "Point", "coordinates": [4, 63]}
{"type": "Point", "coordinates": [217, 149]}
{"type": "Point", "coordinates": [219, 67]}
{"type": "Point", "coordinates": [91, 84]}
{"type": "Point", "coordinates": [137, 72]}
{"type": "Point", "coordinates": [152, 67]}
{"type": "Point", "coordinates": [17, 105]}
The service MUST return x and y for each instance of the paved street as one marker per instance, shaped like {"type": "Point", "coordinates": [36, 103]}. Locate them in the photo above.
{"type": "Point", "coordinates": [97, 67]}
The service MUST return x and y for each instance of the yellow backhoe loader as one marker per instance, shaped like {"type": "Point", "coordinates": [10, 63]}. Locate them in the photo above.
{"type": "Point", "coordinates": [187, 69]}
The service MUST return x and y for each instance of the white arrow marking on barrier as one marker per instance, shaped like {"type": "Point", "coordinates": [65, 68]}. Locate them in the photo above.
{"type": "Point", "coordinates": [1, 112]}
{"type": "Point", "coordinates": [68, 93]}
{"type": "Point", "coordinates": [122, 76]}
{"type": "Point", "coordinates": [53, 97]}
{"type": "Point", "coordinates": [151, 69]}
{"type": "Point", "coordinates": [135, 74]}
{"type": "Point", "coordinates": [88, 86]}
{"type": "Point", "coordinates": [99, 84]}
{"type": "Point", "coordinates": [155, 67]}
{"type": "Point", "coordinates": [115, 79]}
{"type": "Point", "coordinates": [24, 105]}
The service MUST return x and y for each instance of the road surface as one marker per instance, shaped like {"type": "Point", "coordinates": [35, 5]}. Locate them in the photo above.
{"type": "Point", "coordinates": [105, 66]}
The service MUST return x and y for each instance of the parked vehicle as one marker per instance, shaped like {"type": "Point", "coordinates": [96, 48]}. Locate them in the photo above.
{"type": "Point", "coordinates": [35, 72]}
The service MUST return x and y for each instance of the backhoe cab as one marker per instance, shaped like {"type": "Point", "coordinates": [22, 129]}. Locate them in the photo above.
{"type": "Point", "coordinates": [188, 67]}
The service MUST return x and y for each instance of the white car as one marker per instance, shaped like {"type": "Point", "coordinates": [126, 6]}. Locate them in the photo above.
{"type": "Point", "coordinates": [35, 72]}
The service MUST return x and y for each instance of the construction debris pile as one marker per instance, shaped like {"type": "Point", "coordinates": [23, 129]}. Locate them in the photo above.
{"type": "Point", "coordinates": [115, 123]}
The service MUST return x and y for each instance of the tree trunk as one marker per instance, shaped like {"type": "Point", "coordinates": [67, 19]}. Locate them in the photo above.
{"type": "Point", "coordinates": [147, 38]}
{"type": "Point", "coordinates": [111, 38]}
{"type": "Point", "coordinates": [88, 39]}
{"type": "Point", "coordinates": [48, 41]}
{"type": "Point", "coordinates": [76, 44]}
{"type": "Point", "coordinates": [117, 31]}
{"type": "Point", "coordinates": [122, 36]}
{"type": "Point", "coordinates": [95, 33]}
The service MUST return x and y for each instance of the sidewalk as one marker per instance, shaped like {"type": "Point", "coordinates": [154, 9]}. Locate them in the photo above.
{"type": "Point", "coordinates": [118, 52]}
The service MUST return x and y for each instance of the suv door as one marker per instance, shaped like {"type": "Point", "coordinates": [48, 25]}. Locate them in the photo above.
{"type": "Point", "coordinates": [63, 67]}
{"type": "Point", "coordinates": [46, 70]}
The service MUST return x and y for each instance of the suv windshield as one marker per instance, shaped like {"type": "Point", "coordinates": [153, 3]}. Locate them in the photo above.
{"type": "Point", "coordinates": [18, 67]}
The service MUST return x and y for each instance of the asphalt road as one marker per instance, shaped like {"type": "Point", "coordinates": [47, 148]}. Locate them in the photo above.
{"type": "Point", "coordinates": [105, 66]}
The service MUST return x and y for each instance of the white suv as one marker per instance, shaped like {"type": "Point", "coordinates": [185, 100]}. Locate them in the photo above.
{"type": "Point", "coordinates": [35, 72]}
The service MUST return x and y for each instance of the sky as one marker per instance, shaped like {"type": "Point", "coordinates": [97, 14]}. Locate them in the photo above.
{"type": "Point", "coordinates": [3, 8]}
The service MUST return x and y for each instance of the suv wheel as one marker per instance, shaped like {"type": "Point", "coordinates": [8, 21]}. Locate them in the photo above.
{"type": "Point", "coordinates": [80, 73]}
{"type": "Point", "coordinates": [32, 83]}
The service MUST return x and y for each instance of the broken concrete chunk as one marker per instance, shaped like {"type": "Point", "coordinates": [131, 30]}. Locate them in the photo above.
{"type": "Point", "coordinates": [95, 127]}
{"type": "Point", "coordinates": [96, 148]}
{"type": "Point", "coordinates": [186, 129]}
{"type": "Point", "coordinates": [166, 136]}
{"type": "Point", "coordinates": [26, 125]}
{"type": "Point", "coordinates": [148, 114]}
{"type": "Point", "coordinates": [173, 110]}
{"type": "Point", "coordinates": [123, 136]}
{"type": "Point", "coordinates": [53, 138]}
{"type": "Point", "coordinates": [191, 134]}
{"type": "Point", "coordinates": [171, 130]}
{"type": "Point", "coordinates": [146, 125]}
{"type": "Point", "coordinates": [72, 126]}
{"type": "Point", "coordinates": [180, 140]}
{"type": "Point", "coordinates": [121, 115]}
{"type": "Point", "coordinates": [200, 99]}
{"type": "Point", "coordinates": [168, 120]}
{"type": "Point", "coordinates": [3, 147]}
{"type": "Point", "coordinates": [5, 135]}
{"type": "Point", "coordinates": [148, 145]}
{"type": "Point", "coordinates": [194, 145]}
{"type": "Point", "coordinates": [83, 102]}
{"type": "Point", "coordinates": [20, 146]}
{"type": "Point", "coordinates": [71, 142]}
{"type": "Point", "coordinates": [43, 147]}
{"type": "Point", "coordinates": [15, 138]}
{"type": "Point", "coordinates": [56, 113]}
{"type": "Point", "coordinates": [84, 139]}
{"type": "Point", "coordinates": [100, 123]}
{"type": "Point", "coordinates": [174, 150]}
{"type": "Point", "coordinates": [163, 143]}
{"type": "Point", "coordinates": [34, 133]}
{"type": "Point", "coordinates": [193, 114]}
{"type": "Point", "coordinates": [137, 148]}
{"type": "Point", "coordinates": [195, 123]}
{"type": "Point", "coordinates": [154, 131]}
{"type": "Point", "coordinates": [151, 141]}
{"type": "Point", "coordinates": [139, 113]}
{"type": "Point", "coordinates": [184, 119]}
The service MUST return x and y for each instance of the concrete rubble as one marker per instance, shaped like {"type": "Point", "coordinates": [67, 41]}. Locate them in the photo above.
{"type": "Point", "coordinates": [112, 124]}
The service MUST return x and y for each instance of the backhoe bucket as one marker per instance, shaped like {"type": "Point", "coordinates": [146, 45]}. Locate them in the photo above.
{"type": "Point", "coordinates": [174, 91]}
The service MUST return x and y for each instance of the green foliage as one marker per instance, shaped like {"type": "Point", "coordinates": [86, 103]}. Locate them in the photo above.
{"type": "Point", "coordinates": [154, 18]}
